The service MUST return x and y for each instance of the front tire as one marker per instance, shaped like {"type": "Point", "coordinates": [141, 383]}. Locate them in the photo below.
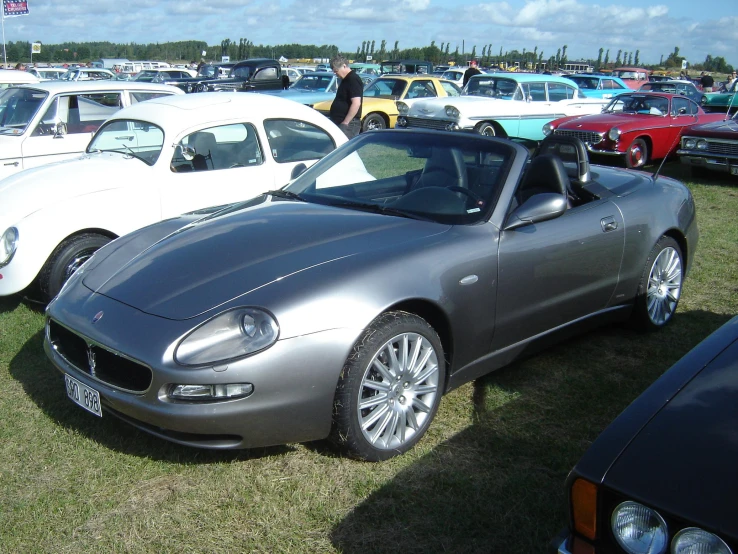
{"type": "Point", "coordinates": [389, 389]}
{"type": "Point", "coordinates": [486, 130]}
{"type": "Point", "coordinates": [660, 286]}
{"type": "Point", "coordinates": [67, 258]}
{"type": "Point", "coordinates": [636, 155]}
{"type": "Point", "coordinates": [373, 122]}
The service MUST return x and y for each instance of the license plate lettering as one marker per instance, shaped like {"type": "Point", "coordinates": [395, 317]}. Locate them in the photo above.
{"type": "Point", "coordinates": [82, 395]}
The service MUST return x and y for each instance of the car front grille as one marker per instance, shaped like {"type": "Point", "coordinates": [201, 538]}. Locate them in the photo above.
{"type": "Point", "coordinates": [588, 137]}
{"type": "Point", "coordinates": [723, 148]}
{"type": "Point", "coordinates": [423, 123]}
{"type": "Point", "coordinates": [98, 362]}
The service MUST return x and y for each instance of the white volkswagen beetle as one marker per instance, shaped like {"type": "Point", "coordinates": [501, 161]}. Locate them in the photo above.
{"type": "Point", "coordinates": [149, 162]}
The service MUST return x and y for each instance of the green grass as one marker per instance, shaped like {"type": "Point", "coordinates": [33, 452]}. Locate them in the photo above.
{"type": "Point", "coordinates": [488, 477]}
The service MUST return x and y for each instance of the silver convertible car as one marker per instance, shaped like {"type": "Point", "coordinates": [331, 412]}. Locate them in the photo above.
{"type": "Point", "coordinates": [344, 305]}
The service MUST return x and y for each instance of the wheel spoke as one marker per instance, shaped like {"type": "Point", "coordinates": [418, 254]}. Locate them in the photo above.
{"type": "Point", "coordinates": [424, 375]}
{"type": "Point", "coordinates": [372, 401]}
{"type": "Point", "coordinates": [381, 386]}
{"type": "Point", "coordinates": [422, 406]}
{"type": "Point", "coordinates": [420, 365]}
{"type": "Point", "coordinates": [381, 426]}
{"type": "Point", "coordinates": [373, 417]}
{"type": "Point", "coordinates": [425, 389]}
{"type": "Point", "coordinates": [383, 370]}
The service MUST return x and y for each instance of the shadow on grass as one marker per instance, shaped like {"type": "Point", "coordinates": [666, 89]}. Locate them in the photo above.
{"type": "Point", "coordinates": [497, 487]}
{"type": "Point", "coordinates": [44, 384]}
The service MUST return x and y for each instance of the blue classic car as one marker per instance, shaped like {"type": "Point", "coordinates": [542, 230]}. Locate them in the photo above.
{"type": "Point", "coordinates": [310, 89]}
{"type": "Point", "coordinates": [599, 86]}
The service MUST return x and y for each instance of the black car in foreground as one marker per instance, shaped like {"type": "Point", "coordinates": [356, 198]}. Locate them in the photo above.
{"type": "Point", "coordinates": [662, 477]}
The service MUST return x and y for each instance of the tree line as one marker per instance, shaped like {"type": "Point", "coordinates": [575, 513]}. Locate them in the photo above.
{"type": "Point", "coordinates": [192, 50]}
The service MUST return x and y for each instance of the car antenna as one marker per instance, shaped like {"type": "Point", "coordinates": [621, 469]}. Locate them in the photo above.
{"type": "Point", "coordinates": [663, 160]}
{"type": "Point", "coordinates": [730, 105]}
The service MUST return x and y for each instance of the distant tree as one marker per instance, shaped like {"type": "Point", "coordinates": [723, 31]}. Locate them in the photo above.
{"type": "Point", "coordinates": [637, 62]}
{"type": "Point", "coordinates": [607, 57]}
{"type": "Point", "coordinates": [599, 59]}
{"type": "Point", "coordinates": [396, 51]}
{"type": "Point", "coordinates": [563, 55]}
{"type": "Point", "coordinates": [617, 59]}
{"type": "Point", "coordinates": [372, 50]}
{"type": "Point", "coordinates": [473, 52]}
{"type": "Point", "coordinates": [382, 49]}
{"type": "Point", "coordinates": [558, 58]}
{"type": "Point", "coordinates": [224, 44]}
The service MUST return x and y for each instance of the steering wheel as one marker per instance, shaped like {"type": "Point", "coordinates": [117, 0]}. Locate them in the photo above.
{"type": "Point", "coordinates": [478, 200]}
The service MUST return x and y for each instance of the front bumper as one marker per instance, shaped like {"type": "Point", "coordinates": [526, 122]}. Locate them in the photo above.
{"type": "Point", "coordinates": [294, 380]}
{"type": "Point", "coordinates": [721, 164]}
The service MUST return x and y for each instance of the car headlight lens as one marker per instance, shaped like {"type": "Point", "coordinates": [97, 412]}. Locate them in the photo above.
{"type": "Point", "coordinates": [638, 529]}
{"type": "Point", "coordinates": [701, 145]}
{"type": "Point", "coordinates": [452, 112]}
{"type": "Point", "coordinates": [548, 129]}
{"type": "Point", "coordinates": [689, 143]}
{"type": "Point", "coordinates": [614, 134]}
{"type": "Point", "coordinates": [8, 245]}
{"type": "Point", "coordinates": [697, 541]}
{"type": "Point", "coordinates": [200, 393]}
{"type": "Point", "coordinates": [402, 108]}
{"type": "Point", "coordinates": [228, 336]}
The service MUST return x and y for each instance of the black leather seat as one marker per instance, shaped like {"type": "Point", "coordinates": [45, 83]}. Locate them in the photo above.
{"type": "Point", "coordinates": [546, 173]}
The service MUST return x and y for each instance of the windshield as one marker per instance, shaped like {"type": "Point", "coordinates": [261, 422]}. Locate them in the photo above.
{"type": "Point", "coordinates": [410, 175]}
{"type": "Point", "coordinates": [146, 76]}
{"type": "Point", "coordinates": [495, 87]}
{"type": "Point", "coordinates": [638, 103]}
{"type": "Point", "coordinates": [315, 83]}
{"type": "Point", "coordinates": [452, 75]}
{"type": "Point", "coordinates": [139, 139]}
{"type": "Point", "coordinates": [629, 74]}
{"type": "Point", "coordinates": [18, 107]}
{"type": "Point", "coordinates": [586, 83]}
{"type": "Point", "coordinates": [208, 71]}
{"type": "Point", "coordinates": [392, 89]}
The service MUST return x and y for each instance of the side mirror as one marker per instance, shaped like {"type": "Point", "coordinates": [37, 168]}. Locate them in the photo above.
{"type": "Point", "coordinates": [298, 170]}
{"type": "Point", "coordinates": [188, 153]}
{"type": "Point", "coordinates": [538, 208]}
{"type": "Point", "coordinates": [60, 128]}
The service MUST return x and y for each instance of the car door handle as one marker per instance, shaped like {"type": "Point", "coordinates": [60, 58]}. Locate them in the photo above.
{"type": "Point", "coordinates": [129, 137]}
{"type": "Point", "coordinates": [608, 224]}
{"type": "Point", "coordinates": [14, 164]}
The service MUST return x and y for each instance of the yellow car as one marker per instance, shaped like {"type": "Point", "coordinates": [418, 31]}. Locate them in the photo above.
{"type": "Point", "coordinates": [378, 109]}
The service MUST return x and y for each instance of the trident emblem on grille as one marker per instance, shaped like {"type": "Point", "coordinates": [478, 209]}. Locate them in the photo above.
{"type": "Point", "coordinates": [91, 360]}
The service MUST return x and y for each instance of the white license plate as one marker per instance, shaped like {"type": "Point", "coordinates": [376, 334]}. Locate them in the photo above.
{"type": "Point", "coordinates": [83, 395]}
{"type": "Point", "coordinates": [734, 170]}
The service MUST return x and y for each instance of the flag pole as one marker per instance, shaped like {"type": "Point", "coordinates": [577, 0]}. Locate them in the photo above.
{"type": "Point", "coordinates": [5, 53]}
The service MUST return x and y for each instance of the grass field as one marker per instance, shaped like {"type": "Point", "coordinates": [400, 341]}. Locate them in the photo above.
{"type": "Point", "coordinates": [488, 477]}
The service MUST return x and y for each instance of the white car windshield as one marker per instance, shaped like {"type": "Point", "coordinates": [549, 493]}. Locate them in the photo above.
{"type": "Point", "coordinates": [138, 139]}
{"type": "Point", "coordinates": [494, 87]}
{"type": "Point", "coordinates": [18, 107]}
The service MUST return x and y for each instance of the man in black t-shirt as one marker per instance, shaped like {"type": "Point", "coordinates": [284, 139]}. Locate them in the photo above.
{"type": "Point", "coordinates": [346, 107]}
{"type": "Point", "coordinates": [707, 82]}
{"type": "Point", "coordinates": [469, 73]}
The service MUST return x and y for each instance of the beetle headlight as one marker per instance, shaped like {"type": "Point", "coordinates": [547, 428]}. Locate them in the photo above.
{"type": "Point", "coordinates": [614, 134]}
{"type": "Point", "coordinates": [402, 108]}
{"type": "Point", "coordinates": [230, 335]}
{"type": "Point", "coordinates": [689, 143]}
{"type": "Point", "coordinates": [701, 144]}
{"type": "Point", "coordinates": [697, 541]}
{"type": "Point", "coordinates": [548, 129]}
{"type": "Point", "coordinates": [8, 245]}
{"type": "Point", "coordinates": [638, 529]}
{"type": "Point", "coordinates": [452, 112]}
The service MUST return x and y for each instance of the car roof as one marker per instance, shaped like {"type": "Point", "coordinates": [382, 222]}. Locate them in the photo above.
{"type": "Point", "coordinates": [189, 110]}
{"type": "Point", "coordinates": [527, 78]}
{"type": "Point", "coordinates": [56, 87]}
{"type": "Point", "coordinates": [17, 76]}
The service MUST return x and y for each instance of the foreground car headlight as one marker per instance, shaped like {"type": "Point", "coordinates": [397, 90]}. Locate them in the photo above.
{"type": "Point", "coordinates": [8, 245]}
{"type": "Point", "coordinates": [198, 393]}
{"type": "Point", "coordinates": [452, 112]}
{"type": "Point", "coordinates": [701, 144]}
{"type": "Point", "coordinates": [638, 529]}
{"type": "Point", "coordinates": [402, 108]}
{"type": "Point", "coordinates": [689, 143]}
{"type": "Point", "coordinates": [614, 134]}
{"type": "Point", "coordinates": [228, 336]}
{"type": "Point", "coordinates": [548, 129]}
{"type": "Point", "coordinates": [697, 541]}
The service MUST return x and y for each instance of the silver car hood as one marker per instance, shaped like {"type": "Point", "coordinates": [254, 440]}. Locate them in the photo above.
{"type": "Point", "coordinates": [208, 263]}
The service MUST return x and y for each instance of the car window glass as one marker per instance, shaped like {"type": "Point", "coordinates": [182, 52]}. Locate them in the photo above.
{"type": "Point", "coordinates": [559, 91]}
{"type": "Point", "coordinates": [265, 73]}
{"type": "Point", "coordinates": [220, 147]}
{"type": "Point", "coordinates": [385, 88]}
{"type": "Point", "coordinates": [452, 89]}
{"type": "Point", "coordinates": [142, 95]}
{"type": "Point", "coordinates": [18, 107]}
{"type": "Point", "coordinates": [293, 141]}
{"type": "Point", "coordinates": [535, 92]}
{"type": "Point", "coordinates": [421, 89]}
{"type": "Point", "coordinates": [138, 139]}
{"type": "Point", "coordinates": [681, 106]}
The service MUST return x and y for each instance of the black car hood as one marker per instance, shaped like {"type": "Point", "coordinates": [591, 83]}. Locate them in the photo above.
{"type": "Point", "coordinates": [208, 263]}
{"type": "Point", "coordinates": [683, 460]}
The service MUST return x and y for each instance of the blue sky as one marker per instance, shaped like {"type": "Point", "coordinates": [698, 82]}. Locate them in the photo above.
{"type": "Point", "coordinates": [583, 25]}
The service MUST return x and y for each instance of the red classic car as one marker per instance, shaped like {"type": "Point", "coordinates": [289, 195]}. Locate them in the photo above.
{"type": "Point", "coordinates": [638, 126]}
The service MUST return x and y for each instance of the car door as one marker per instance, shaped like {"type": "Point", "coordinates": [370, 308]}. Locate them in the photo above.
{"type": "Point", "coordinates": [557, 271]}
{"type": "Point", "coordinates": [80, 114]}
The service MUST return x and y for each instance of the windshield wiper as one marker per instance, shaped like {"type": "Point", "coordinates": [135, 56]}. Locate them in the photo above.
{"type": "Point", "coordinates": [379, 209]}
{"type": "Point", "coordinates": [285, 194]}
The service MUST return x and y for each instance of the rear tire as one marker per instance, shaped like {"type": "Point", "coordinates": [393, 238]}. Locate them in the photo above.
{"type": "Point", "coordinates": [67, 258]}
{"type": "Point", "coordinates": [373, 122]}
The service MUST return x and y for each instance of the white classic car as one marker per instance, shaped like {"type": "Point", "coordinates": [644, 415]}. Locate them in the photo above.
{"type": "Point", "coordinates": [11, 77]}
{"type": "Point", "coordinates": [54, 120]}
{"type": "Point", "coordinates": [47, 73]}
{"type": "Point", "coordinates": [504, 104]}
{"type": "Point", "coordinates": [151, 161]}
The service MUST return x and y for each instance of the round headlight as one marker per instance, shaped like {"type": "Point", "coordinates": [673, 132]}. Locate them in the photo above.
{"type": "Point", "coordinates": [638, 529]}
{"type": "Point", "coordinates": [402, 108]}
{"type": "Point", "coordinates": [228, 336]}
{"type": "Point", "coordinates": [689, 143]}
{"type": "Point", "coordinates": [701, 145]}
{"type": "Point", "coordinates": [614, 134]}
{"type": "Point", "coordinates": [8, 245]}
{"type": "Point", "coordinates": [697, 541]}
{"type": "Point", "coordinates": [452, 112]}
{"type": "Point", "coordinates": [401, 121]}
{"type": "Point", "coordinates": [548, 129]}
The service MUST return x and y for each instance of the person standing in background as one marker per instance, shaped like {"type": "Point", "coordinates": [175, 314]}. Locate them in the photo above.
{"type": "Point", "coordinates": [346, 107]}
{"type": "Point", "coordinates": [469, 73]}
{"type": "Point", "coordinates": [707, 82]}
